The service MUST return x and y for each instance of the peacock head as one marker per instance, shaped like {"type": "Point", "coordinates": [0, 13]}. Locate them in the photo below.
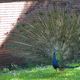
{"type": "Point", "coordinates": [54, 49]}
{"type": "Point", "coordinates": [54, 52]}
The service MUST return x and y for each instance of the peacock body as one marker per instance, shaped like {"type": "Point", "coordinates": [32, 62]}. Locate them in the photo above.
{"type": "Point", "coordinates": [56, 65]}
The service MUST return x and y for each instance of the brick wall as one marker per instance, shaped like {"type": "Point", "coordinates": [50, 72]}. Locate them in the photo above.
{"type": "Point", "coordinates": [9, 14]}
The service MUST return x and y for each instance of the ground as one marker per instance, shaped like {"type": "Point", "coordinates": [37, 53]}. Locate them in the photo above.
{"type": "Point", "coordinates": [41, 73]}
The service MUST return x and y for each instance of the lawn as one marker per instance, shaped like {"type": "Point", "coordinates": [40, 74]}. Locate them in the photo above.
{"type": "Point", "coordinates": [41, 73]}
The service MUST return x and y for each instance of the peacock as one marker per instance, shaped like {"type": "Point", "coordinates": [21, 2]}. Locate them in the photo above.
{"type": "Point", "coordinates": [56, 65]}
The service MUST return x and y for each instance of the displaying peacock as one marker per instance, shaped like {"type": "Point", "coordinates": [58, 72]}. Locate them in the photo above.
{"type": "Point", "coordinates": [56, 65]}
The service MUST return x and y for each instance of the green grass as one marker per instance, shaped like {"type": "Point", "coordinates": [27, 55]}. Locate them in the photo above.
{"type": "Point", "coordinates": [41, 73]}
